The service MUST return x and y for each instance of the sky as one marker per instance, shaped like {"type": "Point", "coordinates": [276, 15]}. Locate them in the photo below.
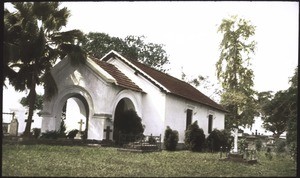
{"type": "Point", "coordinates": [188, 31]}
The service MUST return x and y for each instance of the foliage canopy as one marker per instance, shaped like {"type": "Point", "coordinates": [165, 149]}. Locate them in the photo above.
{"type": "Point", "coordinates": [32, 44]}
{"type": "Point", "coordinates": [132, 47]}
{"type": "Point", "coordinates": [234, 72]}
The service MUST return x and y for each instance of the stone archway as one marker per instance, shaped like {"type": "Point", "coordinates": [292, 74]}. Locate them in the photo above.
{"type": "Point", "coordinates": [122, 106]}
{"type": "Point", "coordinates": [76, 113]}
{"type": "Point", "coordinates": [52, 110]}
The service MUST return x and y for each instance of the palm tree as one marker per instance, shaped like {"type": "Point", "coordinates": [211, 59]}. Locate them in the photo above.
{"type": "Point", "coordinates": [32, 44]}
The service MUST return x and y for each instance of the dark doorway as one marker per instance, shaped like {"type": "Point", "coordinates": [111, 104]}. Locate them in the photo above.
{"type": "Point", "coordinates": [123, 105]}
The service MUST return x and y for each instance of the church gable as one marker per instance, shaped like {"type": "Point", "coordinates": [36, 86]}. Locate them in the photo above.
{"type": "Point", "coordinates": [121, 79]}
{"type": "Point", "coordinates": [166, 83]}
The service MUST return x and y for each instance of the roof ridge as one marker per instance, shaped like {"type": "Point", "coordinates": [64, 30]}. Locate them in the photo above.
{"type": "Point", "coordinates": [166, 82]}
{"type": "Point", "coordinates": [182, 82]}
{"type": "Point", "coordinates": [158, 71]}
{"type": "Point", "coordinates": [166, 74]}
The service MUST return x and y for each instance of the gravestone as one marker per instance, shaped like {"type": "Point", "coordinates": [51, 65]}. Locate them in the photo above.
{"type": "Point", "coordinates": [107, 131]}
{"type": "Point", "coordinates": [235, 143]}
{"type": "Point", "coordinates": [13, 127]}
{"type": "Point", "coordinates": [78, 135]}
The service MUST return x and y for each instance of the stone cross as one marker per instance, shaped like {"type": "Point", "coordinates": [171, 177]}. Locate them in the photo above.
{"type": "Point", "coordinates": [107, 131]}
{"type": "Point", "coordinates": [235, 143]}
{"type": "Point", "coordinates": [80, 125]}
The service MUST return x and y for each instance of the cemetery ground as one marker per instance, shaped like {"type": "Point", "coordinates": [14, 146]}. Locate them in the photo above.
{"type": "Point", "coordinates": [84, 161]}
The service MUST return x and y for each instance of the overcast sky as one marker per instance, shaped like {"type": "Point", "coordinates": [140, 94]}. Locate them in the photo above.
{"type": "Point", "coordinates": [189, 32]}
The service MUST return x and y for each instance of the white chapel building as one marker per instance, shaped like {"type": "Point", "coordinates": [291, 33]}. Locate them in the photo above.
{"type": "Point", "coordinates": [104, 87]}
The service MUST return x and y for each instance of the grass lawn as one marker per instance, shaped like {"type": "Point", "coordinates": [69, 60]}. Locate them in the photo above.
{"type": "Point", "coordinates": [64, 161]}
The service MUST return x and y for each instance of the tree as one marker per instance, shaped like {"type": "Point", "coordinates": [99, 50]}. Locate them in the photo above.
{"type": "Point", "coordinates": [234, 72]}
{"type": "Point", "coordinates": [275, 114]}
{"type": "Point", "coordinates": [292, 107]}
{"type": "Point", "coordinates": [203, 84]}
{"type": "Point", "coordinates": [38, 104]}
{"type": "Point", "coordinates": [32, 44]}
{"type": "Point", "coordinates": [279, 111]}
{"type": "Point", "coordinates": [132, 47]}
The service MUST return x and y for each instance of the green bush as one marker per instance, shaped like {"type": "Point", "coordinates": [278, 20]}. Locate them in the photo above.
{"type": "Point", "coordinates": [218, 139]}
{"type": "Point", "coordinates": [228, 139]}
{"type": "Point", "coordinates": [53, 134]}
{"type": "Point", "coordinates": [194, 137]}
{"type": "Point", "coordinates": [72, 133]}
{"type": "Point", "coordinates": [258, 144]}
{"type": "Point", "coordinates": [170, 139]}
{"type": "Point", "coordinates": [130, 123]}
{"type": "Point", "coordinates": [83, 134]}
{"type": "Point", "coordinates": [242, 145]}
{"type": "Point", "coordinates": [62, 129]}
{"type": "Point", "coordinates": [36, 132]}
{"type": "Point", "coordinates": [151, 140]}
{"type": "Point", "coordinates": [280, 146]}
{"type": "Point", "coordinates": [293, 150]}
{"type": "Point", "coordinates": [269, 154]}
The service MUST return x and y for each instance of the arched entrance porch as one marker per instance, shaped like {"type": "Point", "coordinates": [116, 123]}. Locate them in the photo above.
{"type": "Point", "coordinates": [53, 109]}
{"type": "Point", "coordinates": [76, 113]}
{"type": "Point", "coordinates": [123, 105]}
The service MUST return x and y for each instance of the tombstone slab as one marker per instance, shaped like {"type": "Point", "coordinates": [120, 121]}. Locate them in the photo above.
{"type": "Point", "coordinates": [13, 128]}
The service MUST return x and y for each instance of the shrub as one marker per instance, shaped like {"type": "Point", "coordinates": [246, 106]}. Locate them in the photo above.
{"type": "Point", "coordinates": [83, 134]}
{"type": "Point", "coordinates": [268, 153]}
{"type": "Point", "coordinates": [194, 137]}
{"type": "Point", "coordinates": [293, 150]}
{"type": "Point", "coordinates": [62, 129]}
{"type": "Point", "coordinates": [258, 144]}
{"type": "Point", "coordinates": [280, 146]}
{"type": "Point", "coordinates": [130, 123]}
{"type": "Point", "coordinates": [242, 145]}
{"type": "Point", "coordinates": [36, 132]}
{"type": "Point", "coordinates": [152, 140]}
{"type": "Point", "coordinates": [218, 139]}
{"type": "Point", "coordinates": [228, 139]}
{"type": "Point", "coordinates": [53, 134]}
{"type": "Point", "coordinates": [72, 134]}
{"type": "Point", "coordinates": [170, 139]}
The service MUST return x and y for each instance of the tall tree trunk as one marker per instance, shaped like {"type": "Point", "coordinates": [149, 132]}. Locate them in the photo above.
{"type": "Point", "coordinates": [31, 99]}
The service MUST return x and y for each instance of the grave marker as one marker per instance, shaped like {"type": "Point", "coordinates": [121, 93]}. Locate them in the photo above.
{"type": "Point", "coordinates": [235, 143]}
{"type": "Point", "coordinates": [80, 125]}
{"type": "Point", "coordinates": [13, 129]}
{"type": "Point", "coordinates": [78, 135]}
{"type": "Point", "coordinates": [107, 131]}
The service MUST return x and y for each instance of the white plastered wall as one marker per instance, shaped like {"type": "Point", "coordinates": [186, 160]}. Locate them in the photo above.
{"type": "Point", "coordinates": [176, 108]}
{"type": "Point", "coordinates": [84, 81]}
{"type": "Point", "coordinates": [152, 102]}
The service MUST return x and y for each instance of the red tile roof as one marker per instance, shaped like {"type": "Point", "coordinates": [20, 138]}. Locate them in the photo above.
{"type": "Point", "coordinates": [178, 87]}
{"type": "Point", "coordinates": [174, 85]}
{"type": "Point", "coordinates": [122, 79]}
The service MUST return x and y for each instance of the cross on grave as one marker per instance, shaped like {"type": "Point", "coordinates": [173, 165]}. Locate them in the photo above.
{"type": "Point", "coordinates": [107, 131]}
{"type": "Point", "coordinates": [235, 143]}
{"type": "Point", "coordinates": [80, 125]}
{"type": "Point", "coordinates": [26, 120]}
